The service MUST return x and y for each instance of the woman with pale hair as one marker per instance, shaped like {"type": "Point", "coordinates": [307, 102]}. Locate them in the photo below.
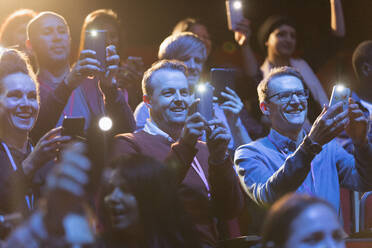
{"type": "Point", "coordinates": [190, 49]}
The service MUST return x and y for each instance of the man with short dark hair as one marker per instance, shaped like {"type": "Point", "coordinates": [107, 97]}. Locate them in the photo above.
{"type": "Point", "coordinates": [208, 185]}
{"type": "Point", "coordinates": [289, 160]}
{"type": "Point", "coordinates": [69, 92]}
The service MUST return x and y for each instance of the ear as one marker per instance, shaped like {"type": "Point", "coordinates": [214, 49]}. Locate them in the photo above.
{"type": "Point", "coordinates": [265, 108]}
{"type": "Point", "coordinates": [147, 101]}
{"type": "Point", "coordinates": [366, 69]}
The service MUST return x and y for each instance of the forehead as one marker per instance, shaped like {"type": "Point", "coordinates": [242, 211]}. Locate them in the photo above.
{"type": "Point", "coordinates": [285, 27]}
{"type": "Point", "coordinates": [285, 83]}
{"type": "Point", "coordinates": [51, 21]}
{"type": "Point", "coordinates": [168, 78]}
{"type": "Point", "coordinates": [321, 217]}
{"type": "Point", "coordinates": [18, 81]}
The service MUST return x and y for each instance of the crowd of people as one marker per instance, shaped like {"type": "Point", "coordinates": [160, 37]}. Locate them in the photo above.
{"type": "Point", "coordinates": [165, 175]}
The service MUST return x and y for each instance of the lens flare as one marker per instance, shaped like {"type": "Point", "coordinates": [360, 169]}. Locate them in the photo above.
{"type": "Point", "coordinates": [105, 123]}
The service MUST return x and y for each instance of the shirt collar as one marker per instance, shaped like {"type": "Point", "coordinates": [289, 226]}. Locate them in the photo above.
{"type": "Point", "coordinates": [281, 142]}
{"type": "Point", "coordinates": [153, 129]}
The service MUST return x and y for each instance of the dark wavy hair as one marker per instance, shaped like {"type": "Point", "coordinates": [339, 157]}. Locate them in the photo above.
{"type": "Point", "coordinates": [161, 214]}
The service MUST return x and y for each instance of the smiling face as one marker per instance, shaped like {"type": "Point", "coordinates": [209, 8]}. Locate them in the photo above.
{"type": "Point", "coordinates": [316, 227]}
{"type": "Point", "coordinates": [286, 117]}
{"type": "Point", "coordinates": [121, 205]}
{"type": "Point", "coordinates": [51, 40]}
{"type": "Point", "coordinates": [170, 99]}
{"type": "Point", "coordinates": [194, 61]}
{"type": "Point", "coordinates": [18, 103]}
{"type": "Point", "coordinates": [282, 41]}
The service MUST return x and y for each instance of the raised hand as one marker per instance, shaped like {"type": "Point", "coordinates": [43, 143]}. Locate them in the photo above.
{"type": "Point", "coordinates": [357, 128]}
{"type": "Point", "coordinates": [331, 122]}
{"type": "Point", "coordinates": [87, 66]}
{"type": "Point", "coordinates": [231, 106]}
{"type": "Point", "coordinates": [45, 150]}
{"type": "Point", "coordinates": [218, 139]}
{"type": "Point", "coordinates": [112, 67]}
{"type": "Point", "coordinates": [193, 129]}
{"type": "Point", "coordinates": [243, 32]}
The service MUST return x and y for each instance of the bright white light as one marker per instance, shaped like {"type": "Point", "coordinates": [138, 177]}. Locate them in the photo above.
{"type": "Point", "coordinates": [201, 88]}
{"type": "Point", "coordinates": [237, 5]}
{"type": "Point", "coordinates": [340, 88]}
{"type": "Point", "coordinates": [94, 33]}
{"type": "Point", "coordinates": [105, 123]}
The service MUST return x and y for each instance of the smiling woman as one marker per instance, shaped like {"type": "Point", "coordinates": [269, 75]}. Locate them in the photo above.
{"type": "Point", "coordinates": [18, 112]}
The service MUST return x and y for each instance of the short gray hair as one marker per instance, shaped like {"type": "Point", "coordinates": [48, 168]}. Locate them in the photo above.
{"type": "Point", "coordinates": [263, 86]}
{"type": "Point", "coordinates": [172, 65]}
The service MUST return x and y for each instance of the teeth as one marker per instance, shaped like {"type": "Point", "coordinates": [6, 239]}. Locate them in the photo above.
{"type": "Point", "coordinates": [24, 115]}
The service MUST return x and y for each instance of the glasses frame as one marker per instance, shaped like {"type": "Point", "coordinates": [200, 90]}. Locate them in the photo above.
{"type": "Point", "coordinates": [306, 91]}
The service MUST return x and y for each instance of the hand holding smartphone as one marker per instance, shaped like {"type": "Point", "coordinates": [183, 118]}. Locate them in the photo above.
{"type": "Point", "coordinates": [73, 126]}
{"type": "Point", "coordinates": [96, 40]}
{"type": "Point", "coordinates": [340, 94]}
{"type": "Point", "coordinates": [205, 106]}
{"type": "Point", "coordinates": [222, 78]}
{"type": "Point", "coordinates": [234, 11]}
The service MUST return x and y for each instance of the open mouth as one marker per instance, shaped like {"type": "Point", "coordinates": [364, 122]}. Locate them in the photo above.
{"type": "Point", "coordinates": [24, 115]}
{"type": "Point", "coordinates": [178, 109]}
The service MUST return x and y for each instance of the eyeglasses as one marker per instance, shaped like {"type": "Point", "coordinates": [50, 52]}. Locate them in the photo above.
{"type": "Point", "coordinates": [287, 96]}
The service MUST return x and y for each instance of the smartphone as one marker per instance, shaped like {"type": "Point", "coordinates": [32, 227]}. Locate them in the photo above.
{"type": "Point", "coordinates": [222, 78]}
{"type": "Point", "coordinates": [205, 106]}
{"type": "Point", "coordinates": [340, 94]}
{"type": "Point", "coordinates": [96, 40]}
{"type": "Point", "coordinates": [234, 11]}
{"type": "Point", "coordinates": [73, 126]}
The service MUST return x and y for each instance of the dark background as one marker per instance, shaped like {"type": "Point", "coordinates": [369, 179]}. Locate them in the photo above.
{"type": "Point", "coordinates": [147, 22]}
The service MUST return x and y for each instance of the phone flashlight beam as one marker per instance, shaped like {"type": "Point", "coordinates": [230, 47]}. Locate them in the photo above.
{"type": "Point", "coordinates": [340, 87]}
{"type": "Point", "coordinates": [94, 33]}
{"type": "Point", "coordinates": [237, 5]}
{"type": "Point", "coordinates": [105, 123]}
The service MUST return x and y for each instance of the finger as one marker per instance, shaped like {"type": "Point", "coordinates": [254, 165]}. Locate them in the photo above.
{"type": "Point", "coordinates": [57, 140]}
{"type": "Point", "coordinates": [113, 60]}
{"type": "Point", "coordinates": [77, 160]}
{"type": "Point", "coordinates": [70, 186]}
{"type": "Point", "coordinates": [232, 92]}
{"type": "Point", "coordinates": [356, 113]}
{"type": "Point", "coordinates": [216, 122]}
{"type": "Point", "coordinates": [87, 53]}
{"type": "Point", "coordinates": [70, 171]}
{"type": "Point", "coordinates": [111, 50]}
{"type": "Point", "coordinates": [333, 109]}
{"type": "Point", "coordinates": [230, 97]}
{"type": "Point", "coordinates": [197, 125]}
{"type": "Point", "coordinates": [217, 131]}
{"type": "Point", "coordinates": [197, 117]}
{"type": "Point", "coordinates": [232, 104]}
{"type": "Point", "coordinates": [90, 70]}
{"type": "Point", "coordinates": [88, 61]}
{"type": "Point", "coordinates": [231, 109]}
{"type": "Point", "coordinates": [53, 132]}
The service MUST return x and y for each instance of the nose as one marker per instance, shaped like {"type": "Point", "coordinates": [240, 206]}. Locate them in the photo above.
{"type": "Point", "coordinates": [192, 64]}
{"type": "Point", "coordinates": [25, 102]}
{"type": "Point", "coordinates": [295, 99]}
{"type": "Point", "coordinates": [113, 198]}
{"type": "Point", "coordinates": [56, 35]}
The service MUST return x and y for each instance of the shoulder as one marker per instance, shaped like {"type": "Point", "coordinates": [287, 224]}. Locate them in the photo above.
{"type": "Point", "coordinates": [251, 149]}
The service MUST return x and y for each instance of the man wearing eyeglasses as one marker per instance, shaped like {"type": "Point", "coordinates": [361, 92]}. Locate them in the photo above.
{"type": "Point", "coordinates": [288, 159]}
